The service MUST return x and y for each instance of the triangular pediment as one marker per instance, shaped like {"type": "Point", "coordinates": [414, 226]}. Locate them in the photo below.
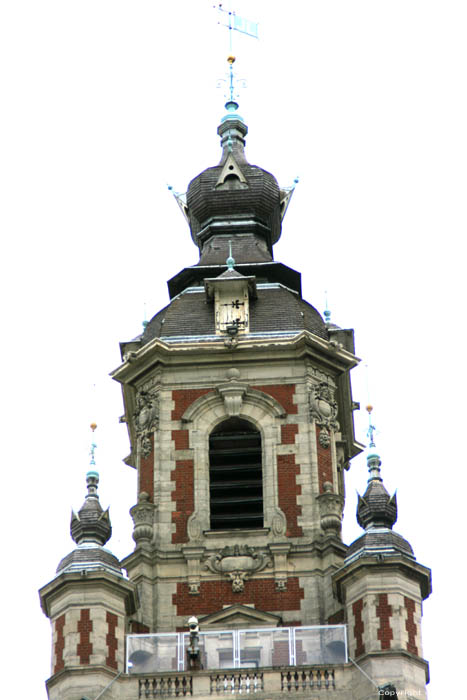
{"type": "Point", "coordinates": [239, 616]}
{"type": "Point", "coordinates": [231, 169]}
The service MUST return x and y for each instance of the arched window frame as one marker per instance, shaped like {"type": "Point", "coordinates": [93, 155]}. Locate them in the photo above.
{"type": "Point", "coordinates": [202, 417]}
{"type": "Point", "coordinates": [236, 475]}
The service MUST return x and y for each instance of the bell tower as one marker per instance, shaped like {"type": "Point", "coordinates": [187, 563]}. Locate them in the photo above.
{"type": "Point", "coordinates": [239, 410]}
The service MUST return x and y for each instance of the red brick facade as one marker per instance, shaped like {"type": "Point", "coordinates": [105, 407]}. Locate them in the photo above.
{"type": "Point", "coordinates": [59, 643]}
{"type": "Point", "coordinates": [84, 647]}
{"type": "Point", "coordinates": [287, 472]}
{"type": "Point", "coordinates": [181, 439]}
{"type": "Point", "coordinates": [359, 627]}
{"type": "Point", "coordinates": [338, 618]}
{"type": "Point", "coordinates": [214, 595]}
{"type": "Point", "coordinates": [138, 628]}
{"type": "Point", "coordinates": [283, 393]}
{"type": "Point", "coordinates": [289, 490]}
{"type": "Point", "coordinates": [184, 398]}
{"type": "Point", "coordinates": [288, 433]}
{"type": "Point", "coordinates": [183, 496]}
{"type": "Point", "coordinates": [146, 472]}
{"type": "Point", "coordinates": [324, 463]}
{"type": "Point", "coordinates": [384, 612]}
{"type": "Point", "coordinates": [112, 641]}
{"type": "Point", "coordinates": [411, 626]}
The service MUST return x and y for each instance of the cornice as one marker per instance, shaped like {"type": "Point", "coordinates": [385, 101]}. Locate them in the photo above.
{"type": "Point", "coordinates": [304, 343]}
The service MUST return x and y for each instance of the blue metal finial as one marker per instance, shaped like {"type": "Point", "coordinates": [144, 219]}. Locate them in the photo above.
{"type": "Point", "coordinates": [145, 321]}
{"type": "Point", "coordinates": [327, 313]}
{"type": "Point", "coordinates": [230, 262]}
{"type": "Point", "coordinates": [373, 460]}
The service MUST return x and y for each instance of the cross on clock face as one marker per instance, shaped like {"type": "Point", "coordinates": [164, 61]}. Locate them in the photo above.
{"type": "Point", "coordinates": [232, 310]}
{"type": "Point", "coordinates": [235, 303]}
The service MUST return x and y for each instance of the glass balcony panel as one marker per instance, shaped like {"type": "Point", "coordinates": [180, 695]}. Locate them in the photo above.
{"type": "Point", "coordinates": [152, 653]}
{"type": "Point", "coordinates": [216, 649]}
{"type": "Point", "coordinates": [264, 647]}
{"type": "Point", "coordinates": [320, 645]}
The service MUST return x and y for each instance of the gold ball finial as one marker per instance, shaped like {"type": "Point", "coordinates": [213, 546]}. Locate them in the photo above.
{"type": "Point", "coordinates": [369, 408]}
{"type": "Point", "coordinates": [93, 426]}
{"type": "Point", "coordinates": [231, 59]}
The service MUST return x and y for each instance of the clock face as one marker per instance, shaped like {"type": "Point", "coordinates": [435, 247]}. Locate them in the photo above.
{"type": "Point", "coordinates": [232, 310]}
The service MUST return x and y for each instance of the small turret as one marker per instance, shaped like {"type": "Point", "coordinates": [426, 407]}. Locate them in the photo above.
{"type": "Point", "coordinates": [382, 587]}
{"type": "Point", "coordinates": [88, 604]}
{"type": "Point", "coordinates": [90, 528]}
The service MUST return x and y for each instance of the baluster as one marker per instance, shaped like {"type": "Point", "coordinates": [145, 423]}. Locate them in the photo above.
{"type": "Point", "coordinates": [326, 679]}
{"type": "Point", "coordinates": [289, 681]}
{"type": "Point", "coordinates": [304, 684]}
{"type": "Point", "coordinates": [318, 678]}
{"type": "Point", "coordinates": [233, 683]}
{"type": "Point", "coordinates": [238, 682]}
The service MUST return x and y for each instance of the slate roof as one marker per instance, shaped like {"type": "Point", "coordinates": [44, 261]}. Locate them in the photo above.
{"type": "Point", "coordinates": [89, 556]}
{"type": "Point", "coordinates": [275, 309]}
{"type": "Point", "coordinates": [246, 248]}
{"type": "Point", "coordinates": [380, 541]}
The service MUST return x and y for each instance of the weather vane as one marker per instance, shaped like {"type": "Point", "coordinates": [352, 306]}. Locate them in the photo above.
{"type": "Point", "coordinates": [92, 451]}
{"type": "Point", "coordinates": [371, 427]}
{"type": "Point", "coordinates": [233, 22]}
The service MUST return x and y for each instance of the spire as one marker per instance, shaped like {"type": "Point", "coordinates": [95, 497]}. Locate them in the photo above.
{"type": "Point", "coordinates": [232, 128]}
{"type": "Point", "coordinates": [90, 528]}
{"type": "Point", "coordinates": [91, 523]}
{"type": "Point", "coordinates": [376, 508]}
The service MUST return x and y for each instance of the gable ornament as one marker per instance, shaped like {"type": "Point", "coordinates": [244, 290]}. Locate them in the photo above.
{"type": "Point", "coordinates": [146, 419]}
{"type": "Point", "coordinates": [238, 562]}
{"type": "Point", "coordinates": [323, 410]}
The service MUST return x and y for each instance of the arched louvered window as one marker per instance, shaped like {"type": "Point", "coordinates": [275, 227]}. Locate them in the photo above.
{"type": "Point", "coordinates": [236, 476]}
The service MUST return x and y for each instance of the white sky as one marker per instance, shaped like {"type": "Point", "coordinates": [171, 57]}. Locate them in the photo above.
{"type": "Point", "coordinates": [103, 103]}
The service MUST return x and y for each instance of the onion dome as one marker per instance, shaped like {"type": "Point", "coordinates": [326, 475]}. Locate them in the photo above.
{"type": "Point", "coordinates": [234, 197]}
{"type": "Point", "coordinates": [90, 528]}
{"type": "Point", "coordinates": [376, 514]}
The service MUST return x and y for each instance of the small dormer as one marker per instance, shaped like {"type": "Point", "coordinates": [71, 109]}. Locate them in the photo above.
{"type": "Point", "coordinates": [231, 293]}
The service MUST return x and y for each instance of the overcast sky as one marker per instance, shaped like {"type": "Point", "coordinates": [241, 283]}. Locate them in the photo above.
{"type": "Point", "coordinates": [103, 104]}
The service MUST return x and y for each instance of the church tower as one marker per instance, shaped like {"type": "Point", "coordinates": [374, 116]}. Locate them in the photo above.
{"type": "Point", "coordinates": [239, 410]}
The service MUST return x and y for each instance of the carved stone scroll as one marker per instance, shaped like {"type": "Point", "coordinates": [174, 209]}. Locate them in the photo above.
{"type": "Point", "coordinates": [238, 563]}
{"type": "Point", "coordinates": [146, 418]}
{"type": "Point", "coordinates": [323, 410]}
